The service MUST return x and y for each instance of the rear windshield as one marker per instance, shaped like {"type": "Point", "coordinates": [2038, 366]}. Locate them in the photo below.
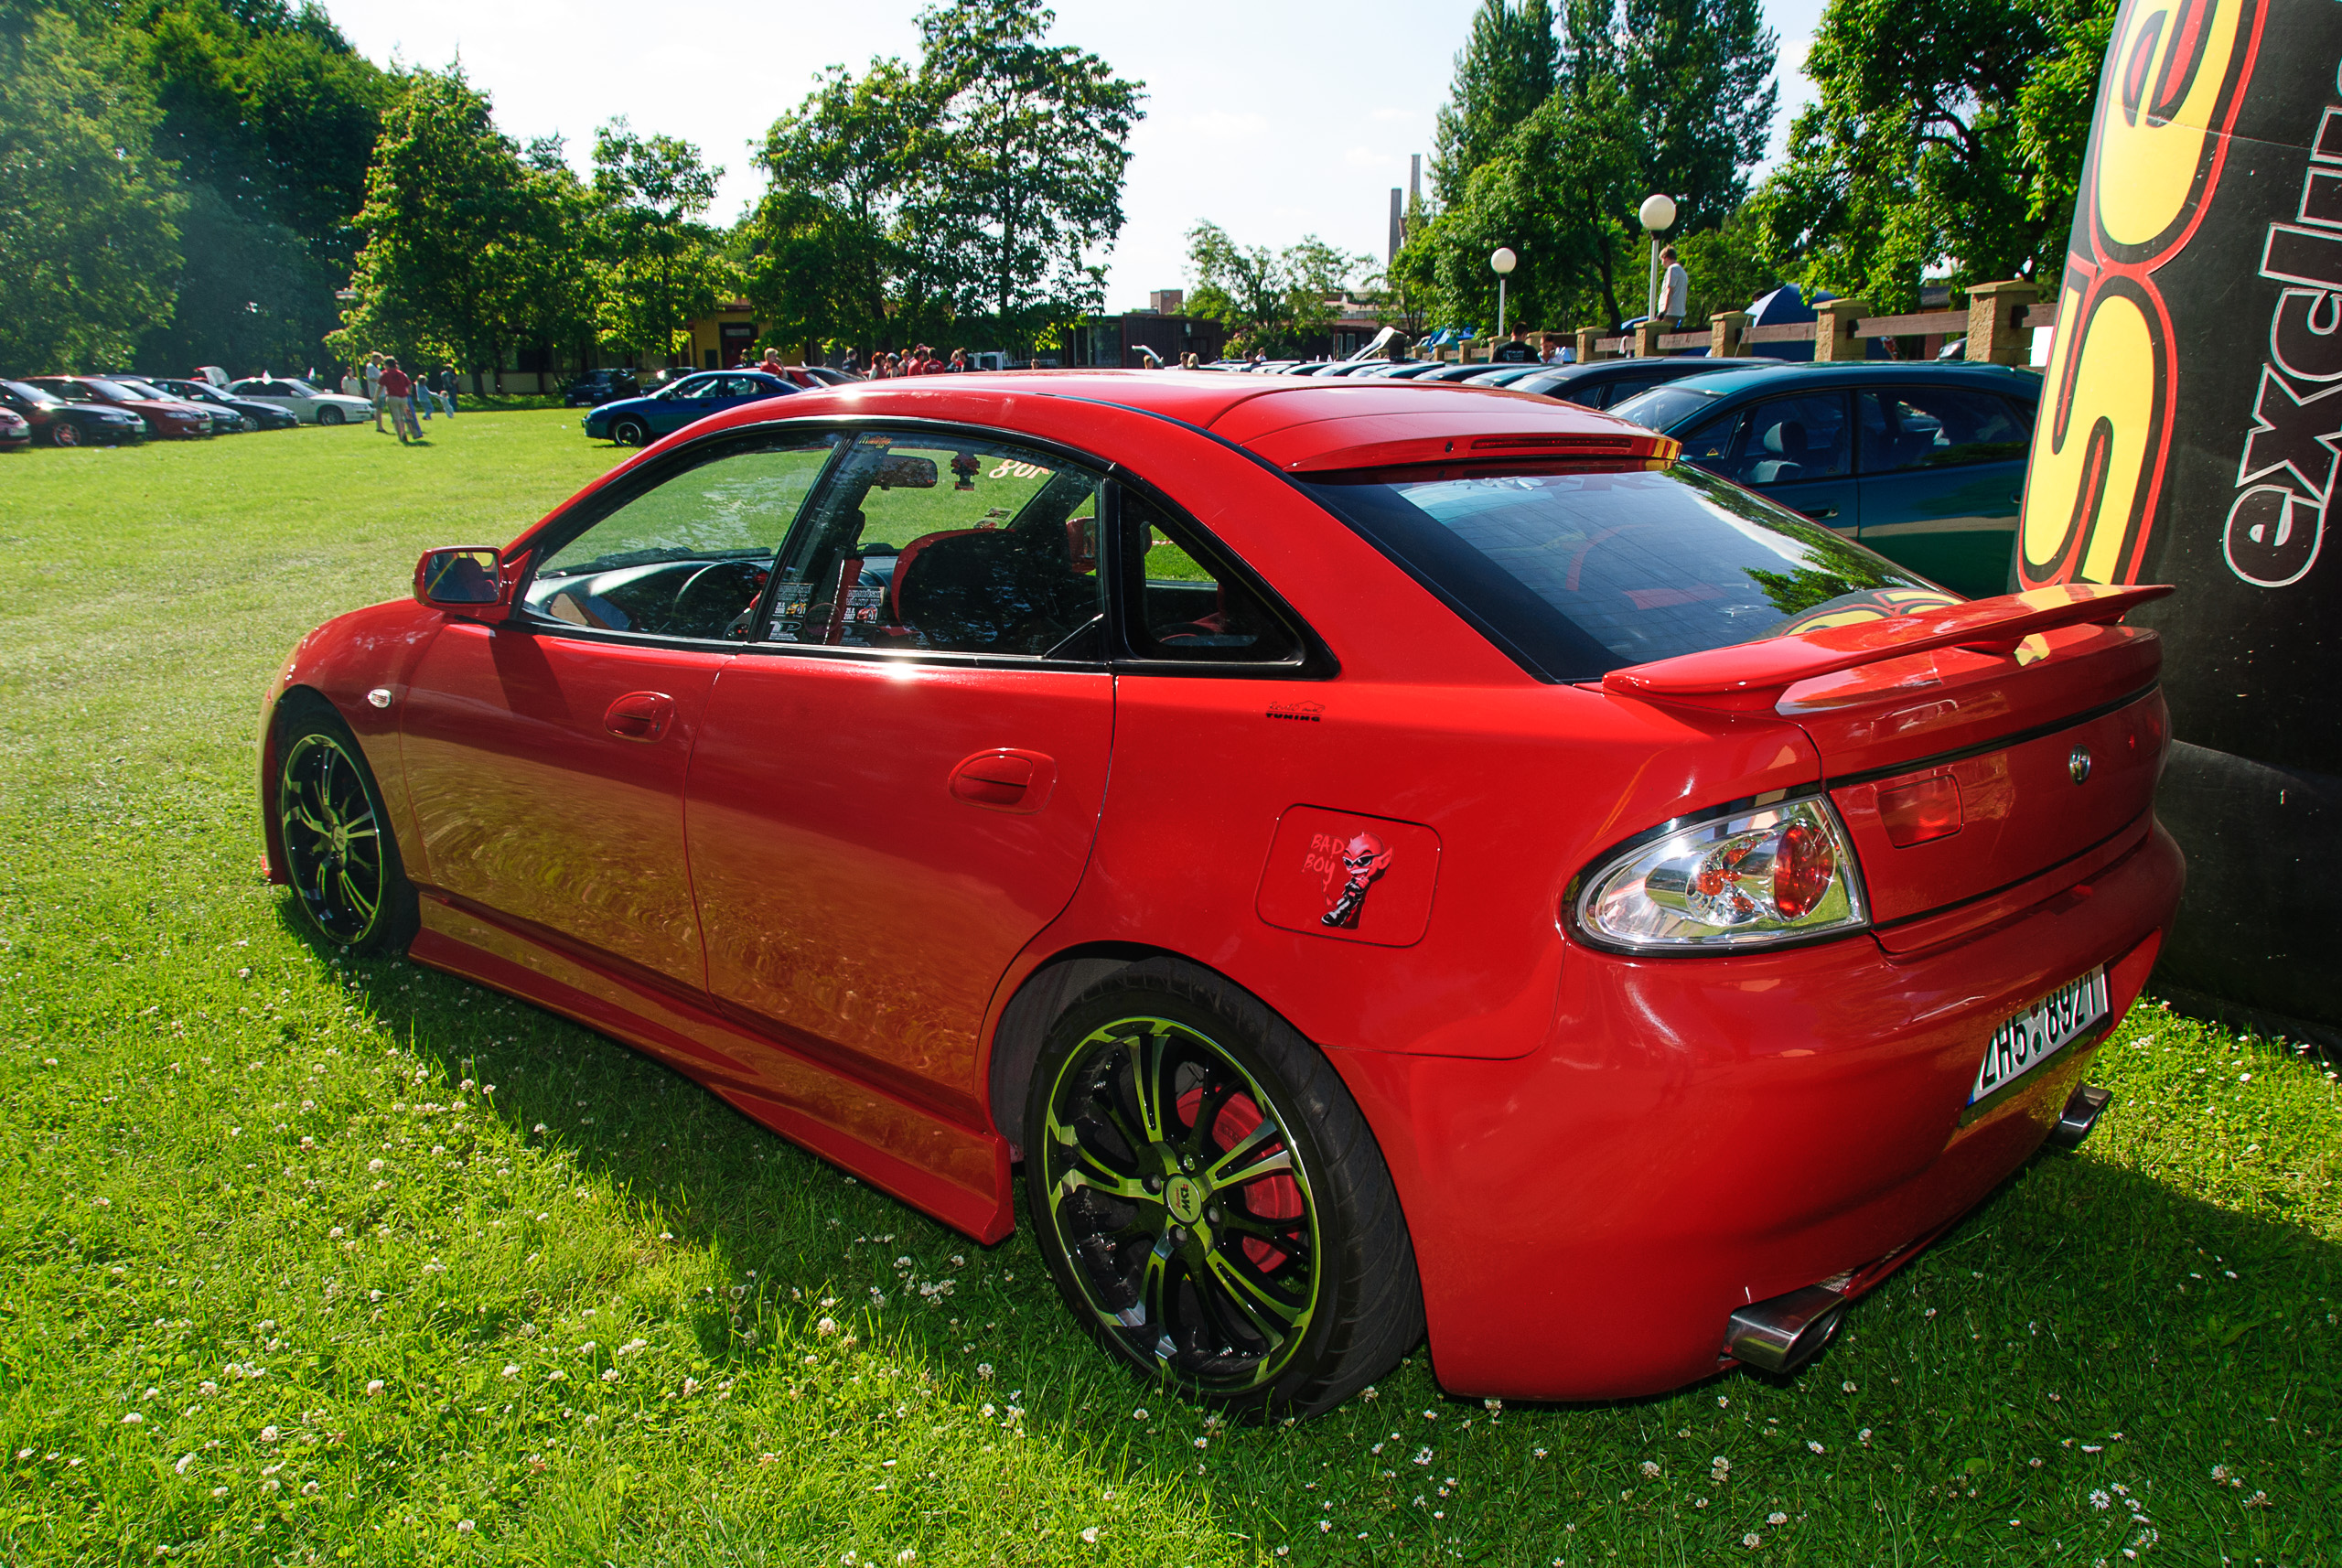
{"type": "Point", "coordinates": [1662, 407]}
{"type": "Point", "coordinates": [1574, 575]}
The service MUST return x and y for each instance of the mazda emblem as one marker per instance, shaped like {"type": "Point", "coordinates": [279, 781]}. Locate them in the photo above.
{"type": "Point", "coordinates": [2078, 764]}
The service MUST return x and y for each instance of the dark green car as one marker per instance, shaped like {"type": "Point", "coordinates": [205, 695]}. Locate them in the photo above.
{"type": "Point", "coordinates": [1923, 463]}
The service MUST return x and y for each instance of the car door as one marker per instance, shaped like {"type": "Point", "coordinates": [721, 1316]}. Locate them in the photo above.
{"type": "Point", "coordinates": [898, 782]}
{"type": "Point", "coordinates": [1942, 478]}
{"type": "Point", "coordinates": [1798, 450]}
{"type": "Point", "coordinates": [694, 398]}
{"type": "Point", "coordinates": [546, 755]}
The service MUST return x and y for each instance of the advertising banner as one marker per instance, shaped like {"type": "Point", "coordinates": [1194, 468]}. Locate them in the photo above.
{"type": "Point", "coordinates": [2191, 432]}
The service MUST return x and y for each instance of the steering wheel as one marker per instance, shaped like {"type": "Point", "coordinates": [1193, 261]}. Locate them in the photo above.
{"type": "Point", "coordinates": [716, 598]}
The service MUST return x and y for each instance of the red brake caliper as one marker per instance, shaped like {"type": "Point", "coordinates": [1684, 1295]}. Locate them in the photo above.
{"type": "Point", "coordinates": [1271, 1197]}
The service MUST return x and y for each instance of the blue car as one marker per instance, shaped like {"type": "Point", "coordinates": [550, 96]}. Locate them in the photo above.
{"type": "Point", "coordinates": [639, 421]}
{"type": "Point", "coordinates": [1922, 463]}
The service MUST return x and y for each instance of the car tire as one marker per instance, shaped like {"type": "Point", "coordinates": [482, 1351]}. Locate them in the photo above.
{"type": "Point", "coordinates": [629, 433]}
{"type": "Point", "coordinates": [329, 414]}
{"type": "Point", "coordinates": [341, 855]}
{"type": "Point", "coordinates": [1290, 1280]}
{"type": "Point", "coordinates": [64, 433]}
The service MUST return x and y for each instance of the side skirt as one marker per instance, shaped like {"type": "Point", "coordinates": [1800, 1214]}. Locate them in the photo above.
{"type": "Point", "coordinates": [958, 1174]}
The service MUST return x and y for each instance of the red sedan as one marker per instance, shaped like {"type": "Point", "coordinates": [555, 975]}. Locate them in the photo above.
{"type": "Point", "coordinates": [1383, 859]}
{"type": "Point", "coordinates": [165, 417]}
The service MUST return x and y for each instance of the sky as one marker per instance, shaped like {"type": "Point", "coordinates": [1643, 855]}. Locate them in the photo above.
{"type": "Point", "coordinates": [1271, 118]}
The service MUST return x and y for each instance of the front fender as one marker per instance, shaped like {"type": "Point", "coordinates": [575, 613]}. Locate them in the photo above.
{"type": "Point", "coordinates": [341, 661]}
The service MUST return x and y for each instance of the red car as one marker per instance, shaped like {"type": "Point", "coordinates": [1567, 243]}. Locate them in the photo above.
{"type": "Point", "coordinates": [1381, 858]}
{"type": "Point", "coordinates": [165, 417]}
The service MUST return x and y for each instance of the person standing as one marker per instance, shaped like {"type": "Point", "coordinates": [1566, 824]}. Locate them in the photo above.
{"type": "Point", "coordinates": [1674, 291]}
{"type": "Point", "coordinates": [373, 373]}
{"type": "Point", "coordinates": [397, 392]}
{"type": "Point", "coordinates": [448, 389]}
{"type": "Point", "coordinates": [1515, 350]}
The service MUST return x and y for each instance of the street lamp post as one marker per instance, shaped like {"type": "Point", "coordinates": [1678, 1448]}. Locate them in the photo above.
{"type": "Point", "coordinates": [1502, 262]}
{"type": "Point", "coordinates": [1658, 212]}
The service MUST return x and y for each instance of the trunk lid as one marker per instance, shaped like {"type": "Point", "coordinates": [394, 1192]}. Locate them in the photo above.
{"type": "Point", "coordinates": [1975, 752]}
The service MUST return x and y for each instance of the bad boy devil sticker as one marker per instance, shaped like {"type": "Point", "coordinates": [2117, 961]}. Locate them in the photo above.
{"type": "Point", "coordinates": [1350, 876]}
{"type": "Point", "coordinates": [1362, 860]}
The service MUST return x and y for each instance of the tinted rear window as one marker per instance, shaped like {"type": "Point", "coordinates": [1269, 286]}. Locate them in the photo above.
{"type": "Point", "coordinates": [1577, 574]}
{"type": "Point", "coordinates": [1662, 407]}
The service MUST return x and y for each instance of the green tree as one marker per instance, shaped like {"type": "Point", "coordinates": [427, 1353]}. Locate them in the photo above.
{"type": "Point", "coordinates": [1272, 301]}
{"type": "Point", "coordinates": [1507, 68]}
{"type": "Point", "coordinates": [271, 117]}
{"type": "Point", "coordinates": [1700, 74]}
{"type": "Point", "coordinates": [1951, 136]}
{"type": "Point", "coordinates": [825, 253]}
{"type": "Point", "coordinates": [1022, 171]}
{"type": "Point", "coordinates": [470, 249]}
{"type": "Point", "coordinates": [89, 240]}
{"type": "Point", "coordinates": [662, 268]}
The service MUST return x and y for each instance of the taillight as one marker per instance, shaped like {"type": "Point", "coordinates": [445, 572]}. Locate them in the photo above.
{"type": "Point", "coordinates": [1739, 879]}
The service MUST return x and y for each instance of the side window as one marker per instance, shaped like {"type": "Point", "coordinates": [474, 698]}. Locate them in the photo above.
{"type": "Point", "coordinates": [1793, 438]}
{"type": "Point", "coordinates": [928, 544]}
{"type": "Point", "coordinates": [1710, 445]}
{"type": "Point", "coordinates": [1181, 608]}
{"type": "Point", "coordinates": [689, 557]}
{"type": "Point", "coordinates": [1940, 427]}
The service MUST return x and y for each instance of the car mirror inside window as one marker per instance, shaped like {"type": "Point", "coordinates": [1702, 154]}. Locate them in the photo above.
{"type": "Point", "coordinates": [890, 557]}
{"type": "Point", "coordinates": [688, 557]}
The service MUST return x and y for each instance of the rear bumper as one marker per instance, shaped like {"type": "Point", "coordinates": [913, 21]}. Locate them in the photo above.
{"type": "Point", "coordinates": [1703, 1134]}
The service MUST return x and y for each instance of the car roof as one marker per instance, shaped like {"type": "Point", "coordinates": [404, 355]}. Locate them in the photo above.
{"type": "Point", "coordinates": [1870, 372]}
{"type": "Point", "coordinates": [1296, 422]}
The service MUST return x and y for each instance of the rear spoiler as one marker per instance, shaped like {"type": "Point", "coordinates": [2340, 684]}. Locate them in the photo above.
{"type": "Point", "coordinates": [1750, 677]}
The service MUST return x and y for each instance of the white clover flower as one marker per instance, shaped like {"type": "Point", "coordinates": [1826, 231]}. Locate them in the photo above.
{"type": "Point", "coordinates": [1815, 1446]}
{"type": "Point", "coordinates": [181, 1467]}
{"type": "Point", "coordinates": [1776, 1519]}
{"type": "Point", "coordinates": [829, 1325]}
{"type": "Point", "coordinates": [1752, 1541]}
{"type": "Point", "coordinates": [610, 1375]}
{"type": "Point", "coordinates": [1090, 1535]}
{"type": "Point", "coordinates": [1139, 1414]}
{"type": "Point", "coordinates": [462, 1526]}
{"type": "Point", "coordinates": [374, 1165]}
{"type": "Point", "coordinates": [268, 1435]}
{"type": "Point", "coordinates": [133, 1419]}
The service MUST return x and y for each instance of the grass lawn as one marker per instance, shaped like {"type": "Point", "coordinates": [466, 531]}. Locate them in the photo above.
{"type": "Point", "coordinates": [311, 1260]}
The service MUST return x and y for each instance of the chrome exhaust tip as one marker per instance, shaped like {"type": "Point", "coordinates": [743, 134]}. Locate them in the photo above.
{"type": "Point", "coordinates": [2080, 1115]}
{"type": "Point", "coordinates": [1784, 1333]}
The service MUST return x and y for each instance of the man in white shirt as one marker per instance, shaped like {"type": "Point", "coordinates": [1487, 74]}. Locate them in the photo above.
{"type": "Point", "coordinates": [1675, 290]}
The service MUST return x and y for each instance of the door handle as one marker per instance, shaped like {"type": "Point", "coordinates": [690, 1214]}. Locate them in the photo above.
{"type": "Point", "coordinates": [1819, 514]}
{"type": "Point", "coordinates": [639, 715]}
{"type": "Point", "coordinates": [1004, 779]}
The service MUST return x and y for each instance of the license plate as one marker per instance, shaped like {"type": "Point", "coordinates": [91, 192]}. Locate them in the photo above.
{"type": "Point", "coordinates": [2039, 1033]}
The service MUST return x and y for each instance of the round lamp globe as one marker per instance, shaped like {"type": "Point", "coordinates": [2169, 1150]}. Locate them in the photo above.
{"type": "Point", "coordinates": [1658, 212]}
{"type": "Point", "coordinates": [1503, 260]}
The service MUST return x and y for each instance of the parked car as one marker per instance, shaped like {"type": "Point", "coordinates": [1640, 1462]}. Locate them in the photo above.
{"type": "Point", "coordinates": [56, 423]}
{"type": "Point", "coordinates": [639, 421]}
{"type": "Point", "coordinates": [1605, 384]}
{"type": "Point", "coordinates": [1923, 463]}
{"type": "Point", "coordinates": [596, 387]}
{"type": "Point", "coordinates": [307, 403]}
{"type": "Point", "coordinates": [1346, 842]}
{"type": "Point", "coordinates": [225, 420]}
{"type": "Point", "coordinates": [16, 433]}
{"type": "Point", "coordinates": [262, 415]}
{"type": "Point", "coordinates": [165, 417]}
